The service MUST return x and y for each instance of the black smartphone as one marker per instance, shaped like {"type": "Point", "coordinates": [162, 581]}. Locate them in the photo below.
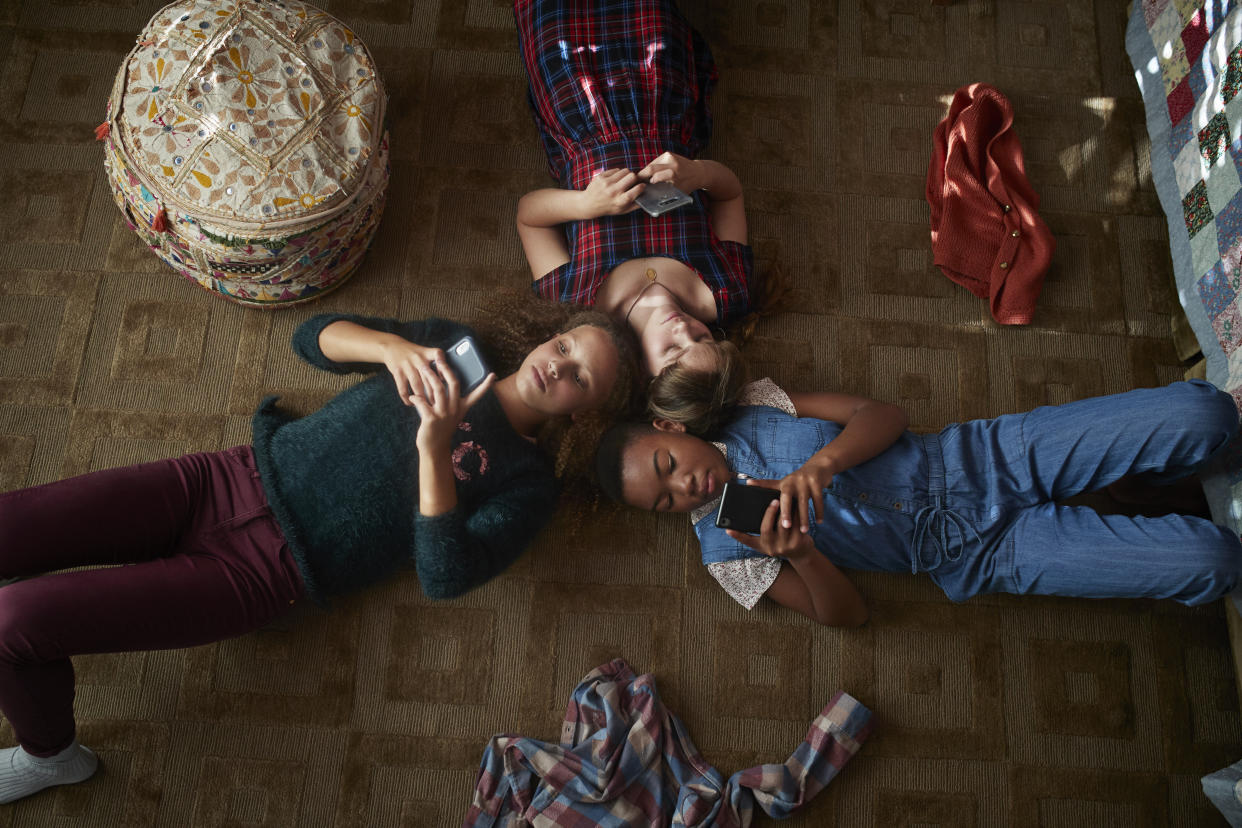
{"type": "Point", "coordinates": [742, 507]}
{"type": "Point", "coordinates": [661, 197]}
{"type": "Point", "coordinates": [467, 363]}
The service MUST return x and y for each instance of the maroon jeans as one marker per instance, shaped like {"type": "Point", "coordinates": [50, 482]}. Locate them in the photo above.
{"type": "Point", "coordinates": [191, 554]}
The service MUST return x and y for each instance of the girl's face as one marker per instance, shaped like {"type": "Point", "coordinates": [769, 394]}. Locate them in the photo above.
{"type": "Point", "coordinates": [670, 471]}
{"type": "Point", "coordinates": [672, 335]}
{"type": "Point", "coordinates": [571, 372]}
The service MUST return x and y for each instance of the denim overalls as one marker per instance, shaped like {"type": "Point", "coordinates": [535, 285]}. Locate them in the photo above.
{"type": "Point", "coordinates": [974, 506]}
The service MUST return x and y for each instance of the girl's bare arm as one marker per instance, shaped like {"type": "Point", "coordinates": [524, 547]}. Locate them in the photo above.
{"type": "Point", "coordinates": [868, 427]}
{"type": "Point", "coordinates": [542, 213]}
{"type": "Point", "coordinates": [815, 587]}
{"type": "Point", "coordinates": [719, 183]}
{"type": "Point", "coordinates": [808, 582]}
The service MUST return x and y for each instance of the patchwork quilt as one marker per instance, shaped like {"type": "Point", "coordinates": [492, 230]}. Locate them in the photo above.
{"type": "Point", "coordinates": [1187, 57]}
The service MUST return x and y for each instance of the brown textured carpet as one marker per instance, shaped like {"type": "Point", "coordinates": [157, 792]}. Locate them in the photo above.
{"type": "Point", "coordinates": [1021, 711]}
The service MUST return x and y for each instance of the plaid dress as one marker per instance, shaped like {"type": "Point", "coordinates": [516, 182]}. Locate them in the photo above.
{"type": "Point", "coordinates": [614, 83]}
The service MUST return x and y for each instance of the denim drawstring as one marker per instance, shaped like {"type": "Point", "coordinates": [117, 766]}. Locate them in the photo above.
{"type": "Point", "coordinates": [924, 522]}
{"type": "Point", "coordinates": [935, 520]}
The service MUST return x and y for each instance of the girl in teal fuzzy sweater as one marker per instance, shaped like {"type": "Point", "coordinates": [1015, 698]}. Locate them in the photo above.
{"type": "Point", "coordinates": [399, 469]}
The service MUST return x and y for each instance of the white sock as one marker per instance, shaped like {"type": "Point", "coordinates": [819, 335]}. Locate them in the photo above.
{"type": "Point", "coordinates": [22, 774]}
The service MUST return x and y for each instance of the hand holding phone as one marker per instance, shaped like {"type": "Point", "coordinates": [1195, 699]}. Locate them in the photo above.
{"type": "Point", "coordinates": [611, 192]}
{"type": "Point", "coordinates": [659, 197]}
{"type": "Point", "coordinates": [467, 363]}
{"type": "Point", "coordinates": [774, 540]}
{"type": "Point", "coordinates": [419, 370]}
{"type": "Point", "coordinates": [450, 386]}
{"type": "Point", "coordinates": [804, 485]}
{"type": "Point", "coordinates": [742, 507]}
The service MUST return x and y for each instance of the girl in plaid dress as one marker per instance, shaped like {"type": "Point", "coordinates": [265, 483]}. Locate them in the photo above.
{"type": "Point", "coordinates": [619, 90]}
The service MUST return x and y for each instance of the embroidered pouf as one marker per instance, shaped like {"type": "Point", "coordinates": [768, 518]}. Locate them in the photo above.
{"type": "Point", "coordinates": [245, 144]}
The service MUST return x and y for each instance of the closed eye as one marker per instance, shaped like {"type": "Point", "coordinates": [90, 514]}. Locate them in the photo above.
{"type": "Point", "coordinates": [663, 502]}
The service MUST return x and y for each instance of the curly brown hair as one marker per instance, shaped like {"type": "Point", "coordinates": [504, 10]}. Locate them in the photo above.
{"type": "Point", "coordinates": [510, 325]}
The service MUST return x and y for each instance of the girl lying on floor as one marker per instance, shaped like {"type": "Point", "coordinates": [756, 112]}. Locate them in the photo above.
{"type": "Point", "coordinates": [400, 469]}
{"type": "Point", "coordinates": [974, 506]}
{"type": "Point", "coordinates": [619, 90]}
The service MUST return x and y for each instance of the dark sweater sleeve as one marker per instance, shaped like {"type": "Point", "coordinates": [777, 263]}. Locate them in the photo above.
{"type": "Point", "coordinates": [456, 552]}
{"type": "Point", "coordinates": [433, 332]}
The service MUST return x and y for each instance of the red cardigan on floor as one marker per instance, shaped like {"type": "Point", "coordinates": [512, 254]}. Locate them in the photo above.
{"type": "Point", "coordinates": [986, 232]}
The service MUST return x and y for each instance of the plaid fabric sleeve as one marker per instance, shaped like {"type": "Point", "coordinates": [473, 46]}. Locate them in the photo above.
{"type": "Point", "coordinates": [733, 280]}
{"type": "Point", "coordinates": [835, 736]}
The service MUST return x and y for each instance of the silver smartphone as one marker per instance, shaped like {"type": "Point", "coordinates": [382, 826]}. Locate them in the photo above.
{"type": "Point", "coordinates": [467, 363]}
{"type": "Point", "coordinates": [661, 197]}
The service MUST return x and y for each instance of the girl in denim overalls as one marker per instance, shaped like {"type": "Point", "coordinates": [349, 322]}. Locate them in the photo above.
{"type": "Point", "coordinates": [974, 506]}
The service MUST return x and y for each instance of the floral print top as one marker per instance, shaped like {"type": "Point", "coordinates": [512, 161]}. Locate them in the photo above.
{"type": "Point", "coordinates": [746, 580]}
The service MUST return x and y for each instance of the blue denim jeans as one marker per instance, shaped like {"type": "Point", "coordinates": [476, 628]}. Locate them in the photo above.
{"type": "Point", "coordinates": [1003, 478]}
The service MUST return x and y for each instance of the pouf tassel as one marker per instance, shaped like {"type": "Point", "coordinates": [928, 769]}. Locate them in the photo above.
{"type": "Point", "coordinates": [101, 131]}
{"type": "Point", "coordinates": [161, 221]}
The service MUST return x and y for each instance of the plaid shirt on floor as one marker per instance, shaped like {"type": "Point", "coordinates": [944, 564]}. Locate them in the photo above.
{"type": "Point", "coordinates": [624, 760]}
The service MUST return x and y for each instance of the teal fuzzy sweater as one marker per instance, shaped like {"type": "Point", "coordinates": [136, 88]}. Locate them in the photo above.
{"type": "Point", "coordinates": [343, 482]}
